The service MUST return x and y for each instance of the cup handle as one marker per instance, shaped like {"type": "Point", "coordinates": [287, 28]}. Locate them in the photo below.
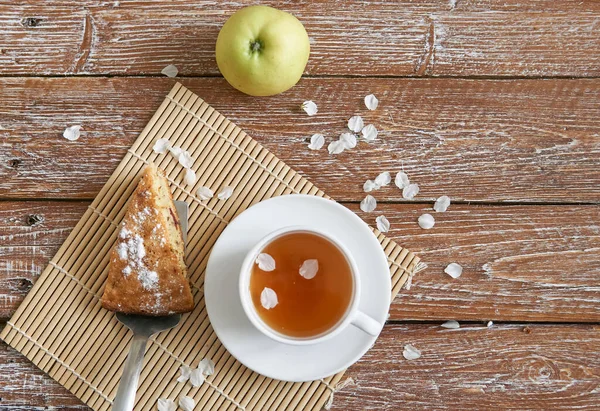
{"type": "Point", "coordinates": [367, 324]}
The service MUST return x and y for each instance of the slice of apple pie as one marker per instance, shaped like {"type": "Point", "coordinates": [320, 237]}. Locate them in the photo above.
{"type": "Point", "coordinates": [147, 274]}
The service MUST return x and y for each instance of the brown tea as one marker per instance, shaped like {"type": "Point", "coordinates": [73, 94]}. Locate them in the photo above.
{"type": "Point", "coordinates": [307, 304]}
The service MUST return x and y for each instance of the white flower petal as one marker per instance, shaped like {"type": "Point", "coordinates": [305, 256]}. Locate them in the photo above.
{"type": "Point", "coordinates": [72, 133]}
{"type": "Point", "coordinates": [490, 324]}
{"type": "Point", "coordinates": [186, 160]}
{"type": "Point", "coordinates": [401, 180]}
{"type": "Point", "coordinates": [349, 140]}
{"type": "Point", "coordinates": [265, 262]}
{"type": "Point", "coordinates": [225, 193]}
{"type": "Point", "coordinates": [316, 141]}
{"type": "Point", "coordinates": [371, 102]}
{"type": "Point", "coordinates": [426, 221]}
{"type": "Point", "coordinates": [383, 179]}
{"type": "Point", "coordinates": [196, 377]}
{"type": "Point", "coordinates": [452, 324]}
{"type": "Point", "coordinates": [166, 405]}
{"type": "Point", "coordinates": [187, 403]}
{"type": "Point", "coordinates": [441, 204]}
{"type": "Point", "coordinates": [190, 177]}
{"type": "Point", "coordinates": [310, 107]}
{"type": "Point", "coordinates": [356, 123]}
{"type": "Point", "coordinates": [383, 225]}
{"type": "Point", "coordinates": [410, 352]}
{"type": "Point", "coordinates": [336, 147]}
{"type": "Point", "coordinates": [185, 373]}
{"type": "Point", "coordinates": [205, 193]}
{"type": "Point", "coordinates": [410, 191]}
{"type": "Point", "coordinates": [268, 298]}
{"type": "Point", "coordinates": [369, 132]}
{"type": "Point", "coordinates": [309, 269]}
{"type": "Point", "coordinates": [207, 366]}
{"type": "Point", "coordinates": [175, 152]}
{"type": "Point", "coordinates": [170, 71]}
{"type": "Point", "coordinates": [453, 270]}
{"type": "Point", "coordinates": [368, 204]}
{"type": "Point", "coordinates": [370, 185]}
{"type": "Point", "coordinates": [161, 146]}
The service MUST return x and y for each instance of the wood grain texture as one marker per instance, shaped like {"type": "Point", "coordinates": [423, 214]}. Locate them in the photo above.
{"type": "Point", "coordinates": [23, 386]}
{"type": "Point", "coordinates": [506, 367]}
{"type": "Point", "coordinates": [520, 263]}
{"type": "Point", "coordinates": [509, 367]}
{"type": "Point", "coordinates": [534, 263]}
{"type": "Point", "coordinates": [30, 235]}
{"type": "Point", "coordinates": [474, 140]}
{"type": "Point", "coordinates": [439, 38]}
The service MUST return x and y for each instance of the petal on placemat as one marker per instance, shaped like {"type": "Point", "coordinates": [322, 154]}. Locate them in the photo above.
{"type": "Point", "coordinates": [161, 146]}
{"type": "Point", "coordinates": [185, 159]}
{"type": "Point", "coordinates": [225, 193]}
{"type": "Point", "coordinates": [166, 405]}
{"type": "Point", "coordinates": [190, 177]}
{"type": "Point", "coordinates": [187, 403]}
{"type": "Point", "coordinates": [196, 377]}
{"type": "Point", "coordinates": [205, 193]}
{"type": "Point", "coordinates": [207, 366]}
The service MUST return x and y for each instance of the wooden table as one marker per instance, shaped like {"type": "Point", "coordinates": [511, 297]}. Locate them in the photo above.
{"type": "Point", "coordinates": [495, 104]}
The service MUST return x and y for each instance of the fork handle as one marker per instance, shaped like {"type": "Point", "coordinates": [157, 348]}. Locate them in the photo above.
{"type": "Point", "coordinates": [125, 399]}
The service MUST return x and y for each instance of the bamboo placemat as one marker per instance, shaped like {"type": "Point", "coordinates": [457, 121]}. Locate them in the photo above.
{"type": "Point", "coordinates": [62, 328]}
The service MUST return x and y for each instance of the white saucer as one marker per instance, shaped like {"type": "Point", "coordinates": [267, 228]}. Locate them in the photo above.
{"type": "Point", "coordinates": [246, 343]}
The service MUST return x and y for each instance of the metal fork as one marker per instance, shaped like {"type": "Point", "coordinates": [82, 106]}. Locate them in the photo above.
{"type": "Point", "coordinates": [143, 328]}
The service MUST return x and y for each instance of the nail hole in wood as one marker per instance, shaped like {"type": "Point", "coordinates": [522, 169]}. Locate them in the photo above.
{"type": "Point", "coordinates": [31, 22]}
{"type": "Point", "coordinates": [15, 162]}
{"type": "Point", "coordinates": [34, 219]}
{"type": "Point", "coordinates": [26, 284]}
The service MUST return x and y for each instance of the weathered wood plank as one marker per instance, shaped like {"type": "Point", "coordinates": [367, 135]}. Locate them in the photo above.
{"type": "Point", "coordinates": [436, 37]}
{"type": "Point", "coordinates": [536, 263]}
{"type": "Point", "coordinates": [23, 386]}
{"type": "Point", "coordinates": [475, 140]}
{"type": "Point", "coordinates": [30, 235]}
{"type": "Point", "coordinates": [509, 367]}
{"type": "Point", "coordinates": [520, 263]}
{"type": "Point", "coordinates": [514, 367]}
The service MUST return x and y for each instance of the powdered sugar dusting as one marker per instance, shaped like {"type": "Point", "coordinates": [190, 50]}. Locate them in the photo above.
{"type": "Point", "coordinates": [132, 251]}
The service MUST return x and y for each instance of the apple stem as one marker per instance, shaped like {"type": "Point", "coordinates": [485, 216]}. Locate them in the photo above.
{"type": "Point", "coordinates": [255, 46]}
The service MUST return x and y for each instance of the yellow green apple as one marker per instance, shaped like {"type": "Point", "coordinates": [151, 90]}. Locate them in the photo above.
{"type": "Point", "coordinates": [262, 51]}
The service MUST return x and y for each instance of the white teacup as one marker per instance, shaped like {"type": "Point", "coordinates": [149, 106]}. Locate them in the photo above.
{"type": "Point", "coordinates": [352, 315]}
